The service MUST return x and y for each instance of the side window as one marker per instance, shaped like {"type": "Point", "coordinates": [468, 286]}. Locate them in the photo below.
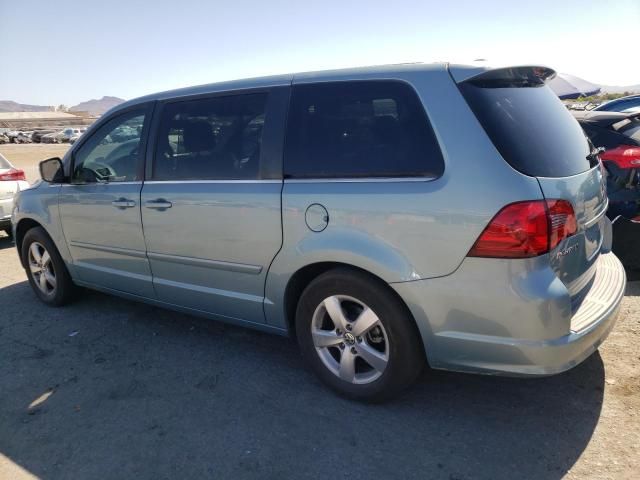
{"type": "Point", "coordinates": [112, 153]}
{"type": "Point", "coordinates": [359, 129]}
{"type": "Point", "coordinates": [211, 139]}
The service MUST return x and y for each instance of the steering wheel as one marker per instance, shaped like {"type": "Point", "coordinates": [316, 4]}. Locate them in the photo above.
{"type": "Point", "coordinates": [99, 172]}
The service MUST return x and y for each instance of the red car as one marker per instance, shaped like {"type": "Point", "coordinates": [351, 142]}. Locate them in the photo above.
{"type": "Point", "coordinates": [619, 135]}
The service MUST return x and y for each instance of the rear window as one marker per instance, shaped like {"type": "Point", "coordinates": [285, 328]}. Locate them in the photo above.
{"type": "Point", "coordinates": [632, 130]}
{"type": "Point", "coordinates": [531, 129]}
{"type": "Point", "coordinates": [359, 129]}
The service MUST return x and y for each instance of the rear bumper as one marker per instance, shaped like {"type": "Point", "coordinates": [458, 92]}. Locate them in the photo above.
{"type": "Point", "coordinates": [522, 340]}
{"type": "Point", "coordinates": [6, 206]}
{"type": "Point", "coordinates": [7, 202]}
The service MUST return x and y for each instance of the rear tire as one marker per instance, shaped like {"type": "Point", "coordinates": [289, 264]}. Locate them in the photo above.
{"type": "Point", "coordinates": [358, 336]}
{"type": "Point", "coordinates": [46, 271]}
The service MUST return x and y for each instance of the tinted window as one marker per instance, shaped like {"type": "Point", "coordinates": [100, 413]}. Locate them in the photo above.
{"type": "Point", "coordinates": [4, 163]}
{"type": "Point", "coordinates": [531, 129]}
{"type": "Point", "coordinates": [359, 129]}
{"type": "Point", "coordinates": [601, 137]}
{"type": "Point", "coordinates": [632, 129]}
{"type": "Point", "coordinates": [610, 106]}
{"type": "Point", "coordinates": [215, 138]}
{"type": "Point", "coordinates": [619, 105]}
{"type": "Point", "coordinates": [111, 153]}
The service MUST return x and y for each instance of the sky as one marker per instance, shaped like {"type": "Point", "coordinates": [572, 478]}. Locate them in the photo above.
{"type": "Point", "coordinates": [64, 52]}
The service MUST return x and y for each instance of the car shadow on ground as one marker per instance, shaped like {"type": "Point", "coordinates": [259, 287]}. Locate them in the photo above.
{"type": "Point", "coordinates": [6, 241]}
{"type": "Point", "coordinates": [633, 288]}
{"type": "Point", "coordinates": [112, 389]}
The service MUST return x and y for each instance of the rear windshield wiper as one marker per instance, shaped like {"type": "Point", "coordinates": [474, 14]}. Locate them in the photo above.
{"type": "Point", "coordinates": [594, 156]}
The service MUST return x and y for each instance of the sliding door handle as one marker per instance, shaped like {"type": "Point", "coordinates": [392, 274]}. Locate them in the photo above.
{"type": "Point", "coordinates": [123, 203]}
{"type": "Point", "coordinates": [159, 204]}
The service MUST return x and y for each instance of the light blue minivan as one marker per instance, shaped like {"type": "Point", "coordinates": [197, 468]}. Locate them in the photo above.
{"type": "Point", "coordinates": [385, 216]}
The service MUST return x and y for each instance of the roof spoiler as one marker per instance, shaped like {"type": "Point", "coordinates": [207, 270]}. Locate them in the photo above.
{"type": "Point", "coordinates": [618, 124]}
{"type": "Point", "coordinates": [518, 76]}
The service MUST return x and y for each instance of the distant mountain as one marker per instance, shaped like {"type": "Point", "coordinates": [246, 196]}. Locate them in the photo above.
{"type": "Point", "coordinates": [614, 89]}
{"type": "Point", "coordinates": [97, 107]}
{"type": "Point", "coordinates": [10, 106]}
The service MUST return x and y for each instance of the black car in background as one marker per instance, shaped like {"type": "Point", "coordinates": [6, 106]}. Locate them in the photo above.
{"type": "Point", "coordinates": [627, 104]}
{"type": "Point", "coordinates": [36, 136]}
{"type": "Point", "coordinates": [619, 135]}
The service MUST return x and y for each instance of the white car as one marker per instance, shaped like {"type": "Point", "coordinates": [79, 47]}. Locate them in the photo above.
{"type": "Point", "coordinates": [74, 138]}
{"type": "Point", "coordinates": [12, 180]}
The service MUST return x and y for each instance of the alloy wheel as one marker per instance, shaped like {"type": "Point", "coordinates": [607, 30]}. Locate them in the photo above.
{"type": "Point", "coordinates": [350, 339]}
{"type": "Point", "coordinates": [41, 268]}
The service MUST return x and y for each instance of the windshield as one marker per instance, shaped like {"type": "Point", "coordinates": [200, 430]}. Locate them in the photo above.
{"type": "Point", "coordinates": [620, 105]}
{"type": "Point", "coordinates": [531, 128]}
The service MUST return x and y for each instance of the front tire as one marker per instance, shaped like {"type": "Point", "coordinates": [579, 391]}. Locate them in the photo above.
{"type": "Point", "coordinates": [46, 271]}
{"type": "Point", "coordinates": [358, 336]}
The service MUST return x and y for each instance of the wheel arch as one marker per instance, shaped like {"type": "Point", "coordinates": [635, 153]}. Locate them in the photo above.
{"type": "Point", "coordinates": [23, 226]}
{"type": "Point", "coordinates": [302, 277]}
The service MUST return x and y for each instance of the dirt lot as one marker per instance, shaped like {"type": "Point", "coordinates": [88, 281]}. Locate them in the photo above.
{"type": "Point", "coordinates": [106, 388]}
{"type": "Point", "coordinates": [28, 156]}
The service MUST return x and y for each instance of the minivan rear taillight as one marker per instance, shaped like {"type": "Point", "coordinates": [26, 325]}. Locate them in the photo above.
{"type": "Point", "coordinates": [562, 221]}
{"type": "Point", "coordinates": [526, 229]}
{"type": "Point", "coordinates": [12, 175]}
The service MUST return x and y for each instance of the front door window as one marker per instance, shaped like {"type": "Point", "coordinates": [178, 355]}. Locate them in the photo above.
{"type": "Point", "coordinates": [111, 154]}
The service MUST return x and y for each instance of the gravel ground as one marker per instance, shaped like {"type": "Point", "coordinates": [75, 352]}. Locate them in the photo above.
{"type": "Point", "coordinates": [107, 388]}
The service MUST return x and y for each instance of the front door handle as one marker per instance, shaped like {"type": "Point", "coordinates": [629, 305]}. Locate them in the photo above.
{"type": "Point", "coordinates": [159, 204]}
{"type": "Point", "coordinates": [123, 203]}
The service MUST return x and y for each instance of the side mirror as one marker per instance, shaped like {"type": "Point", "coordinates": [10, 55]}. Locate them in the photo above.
{"type": "Point", "coordinates": [52, 170]}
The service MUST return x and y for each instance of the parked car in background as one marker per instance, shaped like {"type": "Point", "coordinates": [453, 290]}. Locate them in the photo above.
{"type": "Point", "coordinates": [4, 139]}
{"type": "Point", "coordinates": [629, 104]}
{"type": "Point", "coordinates": [76, 136]}
{"type": "Point", "coordinates": [124, 134]}
{"type": "Point", "coordinates": [12, 135]}
{"type": "Point", "coordinates": [62, 136]}
{"type": "Point", "coordinates": [49, 138]}
{"type": "Point", "coordinates": [12, 181]}
{"type": "Point", "coordinates": [36, 136]}
{"type": "Point", "coordinates": [17, 136]}
{"type": "Point", "coordinates": [325, 205]}
{"type": "Point", "coordinates": [23, 137]}
{"type": "Point", "coordinates": [619, 135]}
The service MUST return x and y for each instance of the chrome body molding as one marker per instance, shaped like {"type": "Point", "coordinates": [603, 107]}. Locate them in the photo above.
{"type": "Point", "coordinates": [189, 182]}
{"type": "Point", "coordinates": [360, 180]}
{"type": "Point", "coordinates": [200, 262]}
{"type": "Point", "coordinates": [102, 248]}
